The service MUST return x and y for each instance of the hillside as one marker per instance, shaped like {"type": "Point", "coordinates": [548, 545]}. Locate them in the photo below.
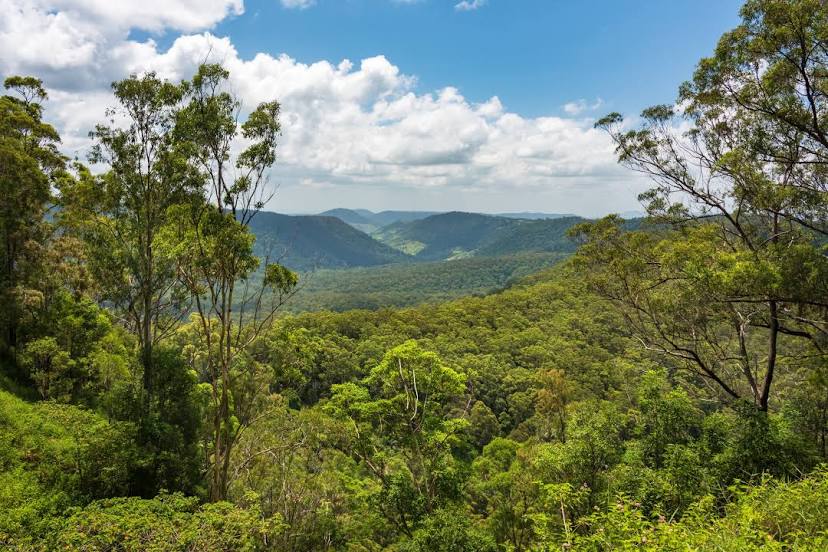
{"type": "Point", "coordinates": [400, 285]}
{"type": "Point", "coordinates": [340, 238]}
{"type": "Point", "coordinates": [359, 219]}
{"type": "Point", "coordinates": [384, 218]}
{"type": "Point", "coordinates": [532, 235]}
{"type": "Point", "coordinates": [457, 235]}
{"type": "Point", "coordinates": [444, 236]}
{"type": "Point", "coordinates": [369, 221]}
{"type": "Point", "coordinates": [309, 242]}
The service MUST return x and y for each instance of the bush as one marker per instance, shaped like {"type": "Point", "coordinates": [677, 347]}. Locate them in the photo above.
{"type": "Point", "coordinates": [166, 523]}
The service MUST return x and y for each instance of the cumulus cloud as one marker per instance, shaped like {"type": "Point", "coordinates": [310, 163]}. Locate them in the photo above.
{"type": "Point", "coordinates": [150, 15]}
{"type": "Point", "coordinates": [345, 125]}
{"type": "Point", "coordinates": [469, 5]}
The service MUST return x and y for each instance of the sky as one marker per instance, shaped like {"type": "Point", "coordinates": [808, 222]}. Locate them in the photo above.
{"type": "Point", "coordinates": [474, 105]}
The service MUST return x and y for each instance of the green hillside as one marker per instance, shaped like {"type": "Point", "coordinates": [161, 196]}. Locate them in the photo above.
{"type": "Point", "coordinates": [55, 456]}
{"type": "Point", "coordinates": [369, 221]}
{"type": "Point", "coordinates": [61, 466]}
{"type": "Point", "coordinates": [461, 235]}
{"type": "Point", "coordinates": [384, 218]}
{"type": "Point", "coordinates": [308, 242]}
{"type": "Point", "coordinates": [533, 215]}
{"type": "Point", "coordinates": [457, 235]}
{"type": "Point", "coordinates": [444, 236]}
{"type": "Point", "coordinates": [531, 235]}
{"type": "Point", "coordinates": [642, 457]}
{"type": "Point", "coordinates": [358, 218]}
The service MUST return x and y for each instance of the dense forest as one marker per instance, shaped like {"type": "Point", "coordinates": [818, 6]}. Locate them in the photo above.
{"type": "Point", "coordinates": [662, 387]}
{"type": "Point", "coordinates": [402, 285]}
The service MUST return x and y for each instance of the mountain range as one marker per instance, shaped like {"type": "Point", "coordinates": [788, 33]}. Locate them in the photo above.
{"type": "Point", "coordinates": [369, 221]}
{"type": "Point", "coordinates": [345, 238]}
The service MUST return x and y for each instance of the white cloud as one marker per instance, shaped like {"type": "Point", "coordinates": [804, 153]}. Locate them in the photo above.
{"type": "Point", "coordinates": [82, 44]}
{"type": "Point", "coordinates": [469, 5]}
{"type": "Point", "coordinates": [345, 125]}
{"type": "Point", "coordinates": [150, 15]}
{"type": "Point", "coordinates": [580, 106]}
{"type": "Point", "coordinates": [298, 4]}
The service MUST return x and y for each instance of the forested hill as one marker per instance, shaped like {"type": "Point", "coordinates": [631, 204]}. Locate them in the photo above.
{"type": "Point", "coordinates": [406, 284]}
{"type": "Point", "coordinates": [444, 236]}
{"type": "Point", "coordinates": [346, 238]}
{"type": "Point", "coordinates": [532, 409]}
{"type": "Point", "coordinates": [458, 235]}
{"type": "Point", "coordinates": [369, 221]}
{"type": "Point", "coordinates": [359, 219]}
{"type": "Point", "coordinates": [308, 242]}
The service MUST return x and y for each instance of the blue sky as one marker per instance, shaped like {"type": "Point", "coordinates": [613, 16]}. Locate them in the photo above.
{"type": "Point", "coordinates": [437, 108]}
{"type": "Point", "coordinates": [536, 55]}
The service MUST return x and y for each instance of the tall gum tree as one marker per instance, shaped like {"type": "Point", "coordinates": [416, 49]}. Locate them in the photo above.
{"type": "Point", "coordinates": [733, 279]}
{"type": "Point", "coordinates": [120, 216]}
{"type": "Point", "coordinates": [213, 248]}
{"type": "Point", "coordinates": [29, 164]}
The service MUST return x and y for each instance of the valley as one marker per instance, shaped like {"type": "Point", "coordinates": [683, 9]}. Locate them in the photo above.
{"type": "Point", "coordinates": [185, 369]}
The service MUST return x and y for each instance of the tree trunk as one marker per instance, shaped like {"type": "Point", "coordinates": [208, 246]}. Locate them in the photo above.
{"type": "Point", "coordinates": [146, 354]}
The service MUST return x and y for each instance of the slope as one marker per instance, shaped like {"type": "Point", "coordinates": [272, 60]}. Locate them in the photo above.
{"type": "Point", "coordinates": [307, 242]}
{"type": "Point", "coordinates": [359, 219]}
{"type": "Point", "coordinates": [400, 285]}
{"type": "Point", "coordinates": [443, 236]}
{"type": "Point", "coordinates": [456, 235]}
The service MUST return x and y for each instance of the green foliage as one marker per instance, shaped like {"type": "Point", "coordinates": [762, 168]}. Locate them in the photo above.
{"type": "Point", "coordinates": [317, 242]}
{"type": "Point", "coordinates": [212, 245]}
{"type": "Point", "coordinates": [741, 189]}
{"type": "Point", "coordinates": [120, 215]}
{"type": "Point", "coordinates": [458, 235]}
{"type": "Point", "coordinates": [171, 435]}
{"type": "Point", "coordinates": [29, 165]}
{"type": "Point", "coordinates": [409, 399]}
{"type": "Point", "coordinates": [166, 523]}
{"type": "Point", "coordinates": [770, 516]}
{"type": "Point", "coordinates": [402, 285]}
{"type": "Point", "coordinates": [54, 456]}
{"type": "Point", "coordinates": [449, 530]}
{"type": "Point", "coordinates": [48, 366]}
{"type": "Point", "coordinates": [535, 418]}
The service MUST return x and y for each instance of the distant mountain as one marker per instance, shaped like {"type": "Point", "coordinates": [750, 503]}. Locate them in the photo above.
{"type": "Point", "coordinates": [384, 218]}
{"type": "Point", "coordinates": [368, 221]}
{"type": "Point", "coordinates": [334, 239]}
{"type": "Point", "coordinates": [458, 235]}
{"type": "Point", "coordinates": [532, 235]}
{"type": "Point", "coordinates": [358, 218]}
{"type": "Point", "coordinates": [412, 283]}
{"type": "Point", "coordinates": [529, 215]}
{"type": "Point", "coordinates": [444, 236]}
{"type": "Point", "coordinates": [306, 242]}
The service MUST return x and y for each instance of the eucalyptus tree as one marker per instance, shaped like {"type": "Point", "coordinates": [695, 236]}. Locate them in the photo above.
{"type": "Point", "coordinates": [404, 422]}
{"type": "Point", "coordinates": [235, 294]}
{"type": "Point", "coordinates": [121, 213]}
{"type": "Point", "coordinates": [734, 281]}
{"type": "Point", "coordinates": [29, 164]}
